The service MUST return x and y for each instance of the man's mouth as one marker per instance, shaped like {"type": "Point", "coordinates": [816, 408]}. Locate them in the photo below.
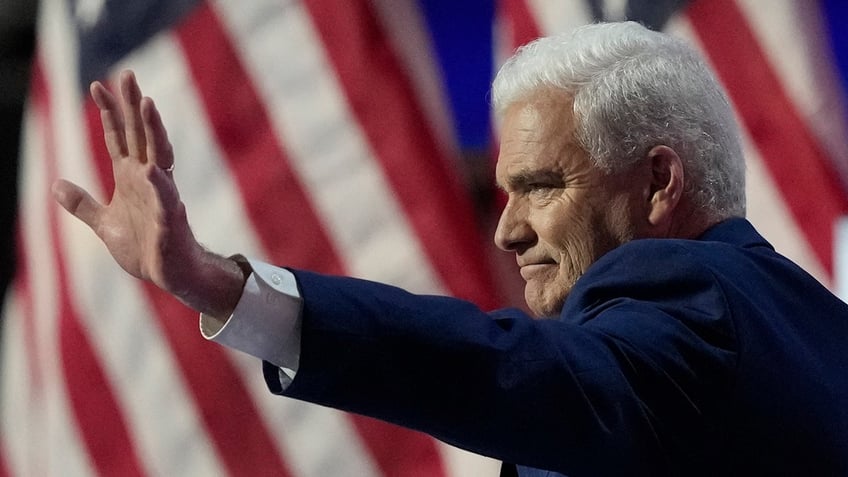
{"type": "Point", "coordinates": [531, 270]}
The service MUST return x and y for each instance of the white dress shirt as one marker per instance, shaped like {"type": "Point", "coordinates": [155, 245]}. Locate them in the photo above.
{"type": "Point", "coordinates": [266, 321]}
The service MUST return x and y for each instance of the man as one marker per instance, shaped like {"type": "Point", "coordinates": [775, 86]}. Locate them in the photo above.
{"type": "Point", "coordinates": [677, 342]}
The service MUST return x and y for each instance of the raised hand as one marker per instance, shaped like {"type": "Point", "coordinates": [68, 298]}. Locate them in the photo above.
{"type": "Point", "coordinates": [144, 225]}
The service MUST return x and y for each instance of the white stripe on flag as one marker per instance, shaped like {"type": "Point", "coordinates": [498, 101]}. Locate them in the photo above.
{"type": "Point", "coordinates": [24, 420]}
{"type": "Point", "coordinates": [218, 217]}
{"type": "Point", "coordinates": [282, 53]}
{"type": "Point", "coordinates": [131, 350]}
{"type": "Point", "coordinates": [559, 17]}
{"type": "Point", "coordinates": [54, 444]}
{"type": "Point", "coordinates": [841, 260]}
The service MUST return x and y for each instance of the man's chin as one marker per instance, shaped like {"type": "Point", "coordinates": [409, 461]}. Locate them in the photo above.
{"type": "Point", "coordinates": [540, 305]}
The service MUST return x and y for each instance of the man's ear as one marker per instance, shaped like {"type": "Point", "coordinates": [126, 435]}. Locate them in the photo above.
{"type": "Point", "coordinates": [666, 185]}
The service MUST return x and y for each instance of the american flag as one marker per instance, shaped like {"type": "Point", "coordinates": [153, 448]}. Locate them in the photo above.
{"type": "Point", "coordinates": [343, 137]}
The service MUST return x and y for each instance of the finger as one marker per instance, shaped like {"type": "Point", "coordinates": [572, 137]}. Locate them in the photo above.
{"type": "Point", "coordinates": [77, 201]}
{"type": "Point", "coordinates": [134, 126]}
{"type": "Point", "coordinates": [112, 120]}
{"type": "Point", "coordinates": [159, 149]}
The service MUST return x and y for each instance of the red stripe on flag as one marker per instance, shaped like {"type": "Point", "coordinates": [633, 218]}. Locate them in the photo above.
{"type": "Point", "coordinates": [399, 452]}
{"type": "Point", "coordinates": [260, 165]}
{"type": "Point", "coordinates": [278, 207]}
{"type": "Point", "coordinates": [240, 436]}
{"type": "Point", "coordinates": [522, 24]}
{"type": "Point", "coordinates": [99, 418]}
{"type": "Point", "coordinates": [4, 469]}
{"type": "Point", "coordinates": [798, 163]}
{"type": "Point", "coordinates": [383, 102]}
{"type": "Point", "coordinates": [398, 133]}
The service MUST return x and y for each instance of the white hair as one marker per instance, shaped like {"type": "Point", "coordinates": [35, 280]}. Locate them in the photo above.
{"type": "Point", "coordinates": [634, 89]}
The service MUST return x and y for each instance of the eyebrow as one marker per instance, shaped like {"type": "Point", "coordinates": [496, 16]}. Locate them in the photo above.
{"type": "Point", "coordinates": [525, 177]}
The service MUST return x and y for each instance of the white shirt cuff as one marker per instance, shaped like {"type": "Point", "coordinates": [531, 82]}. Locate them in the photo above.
{"type": "Point", "coordinates": [266, 321]}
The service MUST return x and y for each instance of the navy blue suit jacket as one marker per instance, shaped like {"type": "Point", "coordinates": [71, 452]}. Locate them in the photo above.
{"type": "Point", "coordinates": [714, 356]}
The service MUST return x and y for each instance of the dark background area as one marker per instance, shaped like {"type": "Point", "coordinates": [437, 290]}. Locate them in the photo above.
{"type": "Point", "coordinates": [17, 39]}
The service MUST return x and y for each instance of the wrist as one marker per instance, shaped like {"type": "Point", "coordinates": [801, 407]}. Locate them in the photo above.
{"type": "Point", "coordinates": [216, 284]}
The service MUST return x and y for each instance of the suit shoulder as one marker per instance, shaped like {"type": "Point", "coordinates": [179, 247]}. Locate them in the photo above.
{"type": "Point", "coordinates": [672, 256]}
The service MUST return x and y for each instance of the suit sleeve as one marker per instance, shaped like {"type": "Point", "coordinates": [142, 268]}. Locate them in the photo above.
{"type": "Point", "coordinates": [636, 362]}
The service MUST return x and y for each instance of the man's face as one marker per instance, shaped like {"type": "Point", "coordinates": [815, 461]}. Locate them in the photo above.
{"type": "Point", "coordinates": [562, 213]}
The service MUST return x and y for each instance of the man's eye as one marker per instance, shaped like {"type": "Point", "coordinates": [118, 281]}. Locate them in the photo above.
{"type": "Point", "coordinates": [540, 187]}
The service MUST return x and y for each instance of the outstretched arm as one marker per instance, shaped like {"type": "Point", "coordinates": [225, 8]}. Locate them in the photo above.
{"type": "Point", "coordinates": [144, 225]}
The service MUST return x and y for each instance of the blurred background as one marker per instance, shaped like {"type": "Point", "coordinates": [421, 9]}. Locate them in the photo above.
{"type": "Point", "coordinates": [17, 39]}
{"type": "Point", "coordinates": [349, 137]}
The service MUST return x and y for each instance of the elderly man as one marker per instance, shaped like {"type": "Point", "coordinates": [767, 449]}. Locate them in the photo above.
{"type": "Point", "coordinates": [677, 341]}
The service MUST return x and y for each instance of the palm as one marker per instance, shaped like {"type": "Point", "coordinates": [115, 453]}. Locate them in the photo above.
{"type": "Point", "coordinates": [144, 225]}
{"type": "Point", "coordinates": [134, 227]}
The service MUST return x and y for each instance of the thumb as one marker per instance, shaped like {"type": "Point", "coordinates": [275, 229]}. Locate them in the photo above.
{"type": "Point", "coordinates": [77, 201]}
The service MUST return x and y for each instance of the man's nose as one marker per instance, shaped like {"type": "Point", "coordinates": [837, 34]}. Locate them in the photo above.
{"type": "Point", "coordinates": [513, 232]}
